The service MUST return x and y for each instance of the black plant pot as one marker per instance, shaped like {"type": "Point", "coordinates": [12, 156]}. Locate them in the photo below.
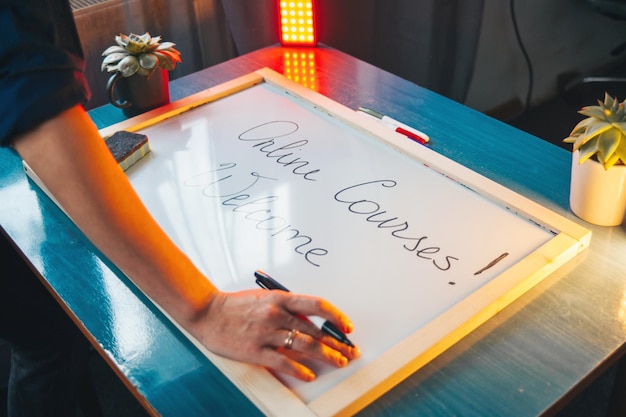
{"type": "Point", "coordinates": [138, 94]}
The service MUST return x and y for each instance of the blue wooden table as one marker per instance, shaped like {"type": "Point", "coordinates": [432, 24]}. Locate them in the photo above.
{"type": "Point", "coordinates": [528, 360]}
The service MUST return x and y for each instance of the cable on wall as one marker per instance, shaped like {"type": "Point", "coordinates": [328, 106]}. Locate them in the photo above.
{"type": "Point", "coordinates": [529, 65]}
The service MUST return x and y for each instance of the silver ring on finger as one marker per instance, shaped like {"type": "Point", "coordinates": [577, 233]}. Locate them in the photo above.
{"type": "Point", "coordinates": [290, 338]}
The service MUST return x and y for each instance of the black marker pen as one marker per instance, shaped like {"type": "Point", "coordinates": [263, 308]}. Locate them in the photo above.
{"type": "Point", "coordinates": [269, 283]}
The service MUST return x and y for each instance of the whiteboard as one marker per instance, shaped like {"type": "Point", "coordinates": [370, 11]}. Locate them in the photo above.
{"type": "Point", "coordinates": [415, 249]}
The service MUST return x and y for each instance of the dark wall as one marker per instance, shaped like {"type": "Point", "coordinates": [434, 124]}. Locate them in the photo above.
{"type": "Point", "coordinates": [430, 42]}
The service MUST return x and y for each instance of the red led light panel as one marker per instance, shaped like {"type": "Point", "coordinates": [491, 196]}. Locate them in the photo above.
{"type": "Point", "coordinates": [297, 23]}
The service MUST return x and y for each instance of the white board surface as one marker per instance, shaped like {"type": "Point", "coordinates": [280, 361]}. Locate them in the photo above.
{"type": "Point", "coordinates": [385, 238]}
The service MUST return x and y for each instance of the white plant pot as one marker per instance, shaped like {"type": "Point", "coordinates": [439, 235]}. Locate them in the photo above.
{"type": "Point", "coordinates": [598, 195]}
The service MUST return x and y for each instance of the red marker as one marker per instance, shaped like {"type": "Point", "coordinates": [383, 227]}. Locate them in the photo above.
{"type": "Point", "coordinates": [401, 128]}
{"type": "Point", "coordinates": [412, 135]}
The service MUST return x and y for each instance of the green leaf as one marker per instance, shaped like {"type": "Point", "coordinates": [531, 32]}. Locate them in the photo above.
{"type": "Point", "coordinates": [122, 40]}
{"type": "Point", "coordinates": [595, 129]}
{"type": "Point", "coordinates": [621, 126]}
{"type": "Point", "coordinates": [577, 140]}
{"type": "Point", "coordinates": [128, 66]}
{"type": "Point", "coordinates": [570, 139]}
{"type": "Point", "coordinates": [609, 162]}
{"type": "Point", "coordinates": [145, 38]}
{"type": "Point", "coordinates": [582, 125]}
{"type": "Point", "coordinates": [166, 60]}
{"type": "Point", "coordinates": [620, 151]}
{"type": "Point", "coordinates": [166, 45]}
{"type": "Point", "coordinates": [151, 48]}
{"type": "Point", "coordinates": [148, 60]}
{"type": "Point", "coordinates": [608, 141]}
{"type": "Point", "coordinates": [118, 56]}
{"type": "Point", "coordinates": [114, 49]}
{"type": "Point", "coordinates": [134, 47]}
{"type": "Point", "coordinates": [144, 72]}
{"type": "Point", "coordinates": [593, 111]}
{"type": "Point", "coordinates": [587, 150]}
{"type": "Point", "coordinates": [612, 105]}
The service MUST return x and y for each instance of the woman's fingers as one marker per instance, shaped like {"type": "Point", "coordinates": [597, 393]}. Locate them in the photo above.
{"type": "Point", "coordinates": [270, 328]}
{"type": "Point", "coordinates": [285, 362]}
{"type": "Point", "coordinates": [306, 344]}
{"type": "Point", "coordinates": [299, 306]}
{"type": "Point", "coordinates": [313, 306]}
{"type": "Point", "coordinates": [293, 345]}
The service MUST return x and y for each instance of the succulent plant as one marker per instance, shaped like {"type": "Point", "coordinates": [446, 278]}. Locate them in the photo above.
{"type": "Point", "coordinates": [602, 134]}
{"type": "Point", "coordinates": [139, 54]}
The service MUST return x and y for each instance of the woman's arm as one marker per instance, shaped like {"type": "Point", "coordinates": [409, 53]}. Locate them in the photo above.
{"type": "Point", "coordinates": [72, 160]}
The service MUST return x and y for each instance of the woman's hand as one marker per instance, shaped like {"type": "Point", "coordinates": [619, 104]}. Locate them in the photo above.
{"type": "Point", "coordinates": [264, 328]}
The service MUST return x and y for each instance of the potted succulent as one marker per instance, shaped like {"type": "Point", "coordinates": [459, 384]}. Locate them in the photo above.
{"type": "Point", "coordinates": [139, 64]}
{"type": "Point", "coordinates": [598, 182]}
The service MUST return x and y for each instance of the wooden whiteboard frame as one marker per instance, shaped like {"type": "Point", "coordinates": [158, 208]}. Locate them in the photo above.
{"type": "Point", "coordinates": [383, 373]}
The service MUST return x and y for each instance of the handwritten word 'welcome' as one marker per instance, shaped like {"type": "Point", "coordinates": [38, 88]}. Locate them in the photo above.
{"type": "Point", "coordinates": [233, 188]}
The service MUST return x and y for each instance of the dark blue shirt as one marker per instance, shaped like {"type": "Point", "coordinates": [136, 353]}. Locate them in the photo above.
{"type": "Point", "coordinates": [41, 64]}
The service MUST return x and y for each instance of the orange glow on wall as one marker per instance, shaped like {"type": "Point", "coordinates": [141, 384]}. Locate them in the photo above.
{"type": "Point", "coordinates": [297, 23]}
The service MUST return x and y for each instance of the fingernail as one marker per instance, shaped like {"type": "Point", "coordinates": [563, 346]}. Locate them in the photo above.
{"type": "Point", "coordinates": [310, 376]}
